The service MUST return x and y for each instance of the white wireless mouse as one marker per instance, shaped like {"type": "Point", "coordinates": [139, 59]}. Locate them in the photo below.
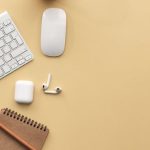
{"type": "Point", "coordinates": [53, 32]}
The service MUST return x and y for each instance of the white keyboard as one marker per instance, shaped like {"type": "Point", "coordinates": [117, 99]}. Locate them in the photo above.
{"type": "Point", "coordinates": [14, 52]}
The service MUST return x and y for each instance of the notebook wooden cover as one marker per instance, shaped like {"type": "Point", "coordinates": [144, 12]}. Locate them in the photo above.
{"type": "Point", "coordinates": [7, 142]}
{"type": "Point", "coordinates": [26, 129]}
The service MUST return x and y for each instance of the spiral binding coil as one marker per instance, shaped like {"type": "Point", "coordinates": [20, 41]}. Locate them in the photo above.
{"type": "Point", "coordinates": [23, 119]}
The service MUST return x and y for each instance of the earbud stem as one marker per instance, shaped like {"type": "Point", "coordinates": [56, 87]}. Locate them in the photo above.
{"type": "Point", "coordinates": [51, 92]}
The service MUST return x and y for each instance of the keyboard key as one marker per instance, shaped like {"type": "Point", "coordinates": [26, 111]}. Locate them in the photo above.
{"type": "Point", "coordinates": [7, 57]}
{"type": "Point", "coordinates": [26, 54]}
{"type": "Point", "coordinates": [1, 53]}
{"type": "Point", "coordinates": [14, 66]}
{"type": "Point", "coordinates": [12, 62]}
{"type": "Point", "coordinates": [2, 43]}
{"type": "Point", "coordinates": [11, 27]}
{"type": "Point", "coordinates": [6, 68]}
{"type": "Point", "coordinates": [1, 25]}
{"type": "Point", "coordinates": [21, 61]}
{"type": "Point", "coordinates": [14, 34]}
{"type": "Point", "coordinates": [7, 22]}
{"type": "Point", "coordinates": [1, 72]}
{"type": "Point", "coordinates": [1, 62]}
{"type": "Point", "coordinates": [28, 57]}
{"type": "Point", "coordinates": [18, 39]}
{"type": "Point", "coordinates": [1, 34]}
{"type": "Point", "coordinates": [19, 58]}
{"type": "Point", "coordinates": [18, 51]}
{"type": "Point", "coordinates": [13, 44]}
{"type": "Point", "coordinates": [6, 49]}
{"type": "Point", "coordinates": [7, 39]}
{"type": "Point", "coordinates": [7, 30]}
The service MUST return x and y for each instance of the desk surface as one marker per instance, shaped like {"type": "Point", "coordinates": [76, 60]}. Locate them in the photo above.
{"type": "Point", "coordinates": [104, 73]}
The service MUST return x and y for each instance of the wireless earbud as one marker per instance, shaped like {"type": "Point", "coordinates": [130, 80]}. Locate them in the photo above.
{"type": "Point", "coordinates": [46, 85]}
{"type": "Point", "coordinates": [57, 90]}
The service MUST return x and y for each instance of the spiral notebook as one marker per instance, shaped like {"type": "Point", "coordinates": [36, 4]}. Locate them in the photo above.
{"type": "Point", "coordinates": [18, 132]}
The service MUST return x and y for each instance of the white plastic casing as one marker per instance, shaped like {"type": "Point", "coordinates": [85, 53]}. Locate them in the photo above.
{"type": "Point", "coordinates": [24, 91]}
{"type": "Point", "coordinates": [53, 32]}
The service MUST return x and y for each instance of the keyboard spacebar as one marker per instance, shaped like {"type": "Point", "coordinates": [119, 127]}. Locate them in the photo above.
{"type": "Point", "coordinates": [18, 51]}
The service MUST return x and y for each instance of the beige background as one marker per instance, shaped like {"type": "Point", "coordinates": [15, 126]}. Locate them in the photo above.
{"type": "Point", "coordinates": [104, 73]}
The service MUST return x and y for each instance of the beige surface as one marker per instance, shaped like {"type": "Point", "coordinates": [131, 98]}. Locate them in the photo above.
{"type": "Point", "coordinates": [104, 73]}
